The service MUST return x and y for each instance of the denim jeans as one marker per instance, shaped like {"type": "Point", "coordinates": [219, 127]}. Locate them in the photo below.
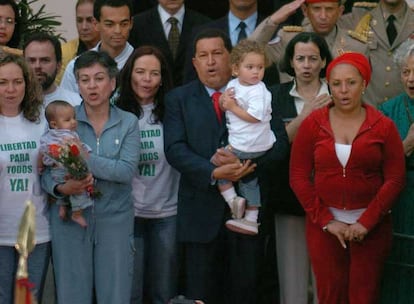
{"type": "Point", "coordinates": [155, 264]}
{"type": "Point", "coordinates": [249, 189]}
{"type": "Point", "coordinates": [37, 264]}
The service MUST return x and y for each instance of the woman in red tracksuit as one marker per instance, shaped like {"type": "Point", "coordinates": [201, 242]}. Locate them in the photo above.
{"type": "Point", "coordinates": [347, 169]}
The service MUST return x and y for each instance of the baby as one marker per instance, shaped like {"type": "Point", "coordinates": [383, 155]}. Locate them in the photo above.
{"type": "Point", "coordinates": [62, 125]}
{"type": "Point", "coordinates": [247, 103]}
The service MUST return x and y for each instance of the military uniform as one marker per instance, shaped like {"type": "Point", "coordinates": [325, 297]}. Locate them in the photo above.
{"type": "Point", "coordinates": [386, 81]}
{"type": "Point", "coordinates": [338, 40]}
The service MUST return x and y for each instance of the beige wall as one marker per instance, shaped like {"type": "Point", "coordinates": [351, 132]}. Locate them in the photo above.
{"type": "Point", "coordinates": [65, 9]}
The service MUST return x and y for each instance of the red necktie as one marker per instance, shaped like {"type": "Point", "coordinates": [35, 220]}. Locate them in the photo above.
{"type": "Point", "coordinates": [216, 105]}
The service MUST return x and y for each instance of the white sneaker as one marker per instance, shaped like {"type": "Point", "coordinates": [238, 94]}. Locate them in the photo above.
{"type": "Point", "coordinates": [243, 226]}
{"type": "Point", "coordinates": [238, 204]}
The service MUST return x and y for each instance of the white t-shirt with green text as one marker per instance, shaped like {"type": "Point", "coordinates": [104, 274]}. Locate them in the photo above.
{"type": "Point", "coordinates": [19, 178]}
{"type": "Point", "coordinates": [155, 186]}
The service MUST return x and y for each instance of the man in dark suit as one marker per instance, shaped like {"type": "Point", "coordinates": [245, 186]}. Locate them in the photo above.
{"type": "Point", "coordinates": [239, 11]}
{"type": "Point", "coordinates": [239, 23]}
{"type": "Point", "coordinates": [211, 8]}
{"type": "Point", "coordinates": [156, 27]}
{"type": "Point", "coordinates": [220, 266]}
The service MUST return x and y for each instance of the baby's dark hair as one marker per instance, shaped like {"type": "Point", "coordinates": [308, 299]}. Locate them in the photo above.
{"type": "Point", "coordinates": [50, 111]}
{"type": "Point", "coordinates": [244, 47]}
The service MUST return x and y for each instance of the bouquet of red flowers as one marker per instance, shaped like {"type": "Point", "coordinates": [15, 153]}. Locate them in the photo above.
{"type": "Point", "coordinates": [71, 157]}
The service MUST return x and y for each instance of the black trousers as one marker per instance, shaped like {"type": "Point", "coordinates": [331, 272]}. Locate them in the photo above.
{"type": "Point", "coordinates": [223, 270]}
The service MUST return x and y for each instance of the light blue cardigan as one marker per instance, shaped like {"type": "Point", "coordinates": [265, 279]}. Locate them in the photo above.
{"type": "Point", "coordinates": [113, 160]}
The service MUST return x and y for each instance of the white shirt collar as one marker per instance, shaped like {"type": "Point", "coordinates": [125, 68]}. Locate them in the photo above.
{"type": "Point", "coordinates": [250, 22]}
{"type": "Point", "coordinates": [323, 89]}
{"type": "Point", "coordinates": [122, 57]}
{"type": "Point", "coordinates": [211, 91]}
{"type": "Point", "coordinates": [234, 23]}
{"type": "Point", "coordinates": [164, 15]}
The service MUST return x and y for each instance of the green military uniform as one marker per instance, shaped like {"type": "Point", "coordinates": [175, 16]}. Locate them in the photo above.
{"type": "Point", "coordinates": [386, 81]}
{"type": "Point", "coordinates": [338, 40]}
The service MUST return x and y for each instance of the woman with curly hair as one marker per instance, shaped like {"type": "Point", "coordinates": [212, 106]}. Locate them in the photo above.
{"type": "Point", "coordinates": [21, 125]}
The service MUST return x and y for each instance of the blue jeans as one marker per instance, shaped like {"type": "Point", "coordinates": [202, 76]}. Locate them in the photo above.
{"type": "Point", "coordinates": [155, 264]}
{"type": "Point", "coordinates": [249, 189]}
{"type": "Point", "coordinates": [37, 263]}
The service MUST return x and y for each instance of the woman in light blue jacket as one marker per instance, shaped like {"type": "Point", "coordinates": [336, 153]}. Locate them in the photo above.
{"type": "Point", "coordinates": [99, 257]}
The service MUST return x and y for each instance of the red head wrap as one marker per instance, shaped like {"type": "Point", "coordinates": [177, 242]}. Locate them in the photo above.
{"type": "Point", "coordinates": [355, 59]}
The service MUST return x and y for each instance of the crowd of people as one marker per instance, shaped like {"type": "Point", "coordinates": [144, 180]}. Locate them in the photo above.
{"type": "Point", "coordinates": [193, 131]}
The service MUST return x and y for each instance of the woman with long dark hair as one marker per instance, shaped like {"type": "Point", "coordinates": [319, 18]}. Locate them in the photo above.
{"type": "Point", "coordinates": [144, 80]}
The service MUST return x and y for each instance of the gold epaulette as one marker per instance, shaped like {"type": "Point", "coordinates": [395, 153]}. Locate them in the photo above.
{"type": "Point", "coordinates": [293, 28]}
{"type": "Point", "coordinates": [13, 51]}
{"type": "Point", "coordinates": [365, 4]}
{"type": "Point", "coordinates": [362, 29]}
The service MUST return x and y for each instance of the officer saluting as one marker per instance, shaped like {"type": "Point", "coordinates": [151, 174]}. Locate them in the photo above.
{"type": "Point", "coordinates": [321, 18]}
{"type": "Point", "coordinates": [387, 25]}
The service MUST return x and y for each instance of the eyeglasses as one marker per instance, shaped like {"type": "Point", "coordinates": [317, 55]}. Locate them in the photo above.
{"type": "Point", "coordinates": [7, 21]}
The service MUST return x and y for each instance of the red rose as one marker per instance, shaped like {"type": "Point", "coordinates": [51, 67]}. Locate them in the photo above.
{"type": "Point", "coordinates": [54, 150]}
{"type": "Point", "coordinates": [74, 150]}
{"type": "Point", "coordinates": [89, 189]}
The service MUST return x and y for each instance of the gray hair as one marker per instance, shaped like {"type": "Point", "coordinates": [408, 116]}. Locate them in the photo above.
{"type": "Point", "coordinates": [404, 51]}
{"type": "Point", "coordinates": [89, 58]}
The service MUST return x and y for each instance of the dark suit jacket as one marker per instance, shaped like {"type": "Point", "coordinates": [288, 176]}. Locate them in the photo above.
{"type": "Point", "coordinates": [191, 136]}
{"type": "Point", "coordinates": [281, 197]}
{"type": "Point", "coordinates": [148, 30]}
{"type": "Point", "coordinates": [271, 74]}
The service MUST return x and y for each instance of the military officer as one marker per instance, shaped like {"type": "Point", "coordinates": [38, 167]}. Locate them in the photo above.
{"type": "Point", "coordinates": [321, 17]}
{"type": "Point", "coordinates": [374, 19]}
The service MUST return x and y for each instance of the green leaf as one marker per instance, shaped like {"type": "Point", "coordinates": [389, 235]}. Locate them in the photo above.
{"type": "Point", "coordinates": [36, 21]}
